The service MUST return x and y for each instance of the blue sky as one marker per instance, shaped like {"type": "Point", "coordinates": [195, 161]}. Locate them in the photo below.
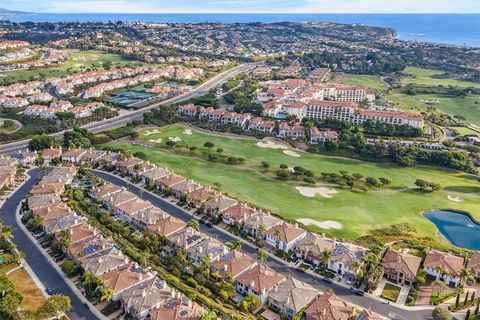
{"type": "Point", "coordinates": [244, 6]}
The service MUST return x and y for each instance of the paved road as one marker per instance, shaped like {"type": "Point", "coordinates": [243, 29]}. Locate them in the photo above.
{"type": "Point", "coordinates": [45, 272]}
{"type": "Point", "coordinates": [387, 310]}
{"type": "Point", "coordinates": [121, 120]}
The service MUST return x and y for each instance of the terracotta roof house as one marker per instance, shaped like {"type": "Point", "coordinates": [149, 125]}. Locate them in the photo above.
{"type": "Point", "coordinates": [258, 280]}
{"type": "Point", "coordinates": [167, 226]}
{"type": "Point", "coordinates": [54, 211]}
{"type": "Point", "coordinates": [65, 222]}
{"type": "Point", "coordinates": [127, 165]}
{"type": "Point", "coordinates": [126, 209]}
{"type": "Point", "coordinates": [217, 205]}
{"type": "Point", "coordinates": [443, 266]}
{"type": "Point", "coordinates": [88, 247]}
{"type": "Point", "coordinates": [153, 175]}
{"type": "Point", "coordinates": [60, 175]}
{"type": "Point", "coordinates": [151, 215]}
{"type": "Point", "coordinates": [180, 308]}
{"type": "Point", "coordinates": [201, 195]}
{"type": "Point", "coordinates": [125, 277]}
{"type": "Point", "coordinates": [290, 296]}
{"type": "Point", "coordinates": [104, 261]}
{"type": "Point", "coordinates": [73, 155]}
{"type": "Point", "coordinates": [401, 267]}
{"type": "Point", "coordinates": [145, 296]}
{"type": "Point", "coordinates": [42, 201]}
{"type": "Point", "coordinates": [312, 246]}
{"type": "Point", "coordinates": [82, 232]}
{"type": "Point", "coordinates": [169, 181]}
{"type": "Point", "coordinates": [185, 238]}
{"type": "Point", "coordinates": [256, 225]}
{"type": "Point", "coordinates": [284, 236]}
{"type": "Point", "coordinates": [48, 188]}
{"type": "Point", "coordinates": [49, 154]}
{"type": "Point", "coordinates": [184, 187]}
{"type": "Point", "coordinates": [209, 248]}
{"type": "Point", "coordinates": [237, 214]}
{"type": "Point", "coordinates": [343, 257]}
{"type": "Point", "coordinates": [233, 263]}
{"type": "Point", "coordinates": [105, 190]}
{"type": "Point", "coordinates": [474, 264]}
{"type": "Point", "coordinates": [329, 307]}
{"type": "Point", "coordinates": [113, 201]}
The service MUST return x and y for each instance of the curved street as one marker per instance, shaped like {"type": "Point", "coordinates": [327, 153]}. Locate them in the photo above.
{"type": "Point", "coordinates": [36, 258]}
{"type": "Point", "coordinates": [387, 310]}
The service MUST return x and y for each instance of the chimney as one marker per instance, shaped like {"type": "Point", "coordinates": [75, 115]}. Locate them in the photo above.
{"type": "Point", "coordinates": [225, 268]}
{"type": "Point", "coordinates": [144, 293]}
{"type": "Point", "coordinates": [252, 283]}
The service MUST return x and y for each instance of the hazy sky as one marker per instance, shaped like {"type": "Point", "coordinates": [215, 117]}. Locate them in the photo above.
{"type": "Point", "coordinates": [245, 6]}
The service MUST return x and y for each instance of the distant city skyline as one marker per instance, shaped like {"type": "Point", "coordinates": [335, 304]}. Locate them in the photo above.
{"type": "Point", "coordinates": [243, 6]}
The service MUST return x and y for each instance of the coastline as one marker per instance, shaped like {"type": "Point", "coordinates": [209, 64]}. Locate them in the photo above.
{"type": "Point", "coordinates": [458, 29]}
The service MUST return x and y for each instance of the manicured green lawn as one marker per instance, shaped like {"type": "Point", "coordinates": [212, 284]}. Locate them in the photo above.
{"type": "Point", "coordinates": [468, 107]}
{"type": "Point", "coordinates": [390, 292]}
{"type": "Point", "coordinates": [423, 76]}
{"type": "Point", "coordinates": [357, 212]}
{"type": "Point", "coordinates": [372, 81]}
{"type": "Point", "coordinates": [466, 131]}
{"type": "Point", "coordinates": [78, 61]}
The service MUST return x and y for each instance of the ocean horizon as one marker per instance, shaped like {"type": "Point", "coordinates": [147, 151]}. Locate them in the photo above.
{"type": "Point", "coordinates": [454, 29]}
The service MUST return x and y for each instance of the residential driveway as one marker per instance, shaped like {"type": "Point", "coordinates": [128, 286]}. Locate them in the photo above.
{"type": "Point", "coordinates": [282, 267]}
{"type": "Point", "coordinates": [40, 265]}
{"type": "Point", "coordinates": [423, 298]}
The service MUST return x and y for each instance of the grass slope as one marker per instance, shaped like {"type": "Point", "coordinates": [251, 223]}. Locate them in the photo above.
{"type": "Point", "coordinates": [32, 296]}
{"type": "Point", "coordinates": [359, 213]}
{"type": "Point", "coordinates": [421, 76]}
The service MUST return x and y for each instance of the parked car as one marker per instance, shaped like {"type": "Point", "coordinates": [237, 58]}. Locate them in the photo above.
{"type": "Point", "coordinates": [50, 291]}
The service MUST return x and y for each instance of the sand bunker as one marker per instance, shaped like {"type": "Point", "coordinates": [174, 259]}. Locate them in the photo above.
{"type": "Point", "coordinates": [455, 198]}
{"type": "Point", "coordinates": [476, 127]}
{"type": "Point", "coordinates": [188, 132]}
{"type": "Point", "coordinates": [328, 224]}
{"type": "Point", "coordinates": [291, 153]}
{"type": "Point", "coordinates": [271, 145]}
{"type": "Point", "coordinates": [79, 64]}
{"type": "Point", "coordinates": [156, 140]}
{"type": "Point", "coordinates": [148, 132]}
{"type": "Point", "coordinates": [312, 192]}
{"type": "Point", "coordinates": [175, 139]}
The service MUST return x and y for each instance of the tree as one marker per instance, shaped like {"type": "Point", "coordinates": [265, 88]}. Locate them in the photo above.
{"type": "Point", "coordinates": [40, 142]}
{"type": "Point", "coordinates": [325, 257]}
{"type": "Point", "coordinates": [68, 267]}
{"type": "Point", "coordinates": [5, 285]}
{"type": "Point", "coordinates": [10, 303]}
{"type": "Point", "coordinates": [265, 166]}
{"type": "Point", "coordinates": [250, 303]}
{"type": "Point", "coordinates": [107, 294]}
{"type": "Point", "coordinates": [209, 145]}
{"type": "Point", "coordinates": [262, 256]}
{"type": "Point", "coordinates": [467, 316]}
{"type": "Point", "coordinates": [477, 309]}
{"type": "Point", "coordinates": [466, 298]}
{"type": "Point", "coordinates": [427, 186]}
{"type": "Point", "coordinates": [457, 300]}
{"type": "Point", "coordinates": [235, 245]}
{"type": "Point", "coordinates": [465, 274]}
{"type": "Point", "coordinates": [441, 314]}
{"type": "Point", "coordinates": [8, 124]}
{"type": "Point", "coordinates": [194, 224]}
{"type": "Point", "coordinates": [209, 315]}
{"type": "Point", "coordinates": [439, 287]}
{"type": "Point", "coordinates": [55, 306]}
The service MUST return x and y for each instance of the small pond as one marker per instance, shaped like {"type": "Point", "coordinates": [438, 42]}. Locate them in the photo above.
{"type": "Point", "coordinates": [458, 228]}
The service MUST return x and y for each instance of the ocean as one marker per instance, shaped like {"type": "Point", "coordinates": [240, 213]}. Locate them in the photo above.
{"type": "Point", "coordinates": [456, 29]}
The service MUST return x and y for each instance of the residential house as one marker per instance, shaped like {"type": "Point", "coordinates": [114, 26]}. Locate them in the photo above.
{"type": "Point", "coordinates": [474, 264]}
{"type": "Point", "coordinates": [167, 182]}
{"type": "Point", "coordinates": [25, 157]}
{"type": "Point", "coordinates": [150, 177]}
{"type": "Point", "coordinates": [260, 125]}
{"type": "Point", "coordinates": [444, 266]}
{"type": "Point", "coordinates": [289, 297]}
{"type": "Point", "coordinates": [167, 226]}
{"type": "Point", "coordinates": [401, 267]}
{"type": "Point", "coordinates": [104, 190]}
{"type": "Point", "coordinates": [144, 297]}
{"type": "Point", "coordinates": [179, 308]}
{"type": "Point", "coordinates": [141, 219]}
{"type": "Point", "coordinates": [73, 155]}
{"type": "Point", "coordinates": [199, 196]}
{"type": "Point", "coordinates": [185, 239]}
{"type": "Point", "coordinates": [218, 205]}
{"type": "Point", "coordinates": [368, 315]}
{"type": "Point", "coordinates": [312, 248]}
{"type": "Point", "coordinates": [184, 187]}
{"type": "Point", "coordinates": [237, 214]}
{"type": "Point", "coordinates": [57, 225]}
{"type": "Point", "coordinates": [125, 277]}
{"type": "Point", "coordinates": [233, 264]}
{"type": "Point", "coordinates": [128, 164]}
{"type": "Point", "coordinates": [320, 137]}
{"type": "Point", "coordinates": [345, 257]}
{"type": "Point", "coordinates": [104, 261]}
{"type": "Point", "coordinates": [208, 248]}
{"type": "Point", "coordinates": [112, 201]}
{"type": "Point", "coordinates": [284, 236]}
{"type": "Point", "coordinates": [295, 131]}
{"type": "Point", "coordinates": [50, 154]}
{"type": "Point", "coordinates": [329, 307]}
{"type": "Point", "coordinates": [256, 225]}
{"type": "Point", "coordinates": [127, 209]}
{"type": "Point", "coordinates": [259, 281]}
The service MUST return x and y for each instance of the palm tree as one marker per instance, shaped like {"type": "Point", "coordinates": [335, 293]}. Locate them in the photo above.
{"type": "Point", "coordinates": [325, 257]}
{"type": "Point", "coordinates": [64, 240]}
{"type": "Point", "coordinates": [235, 245]}
{"type": "Point", "coordinates": [262, 256]}
{"type": "Point", "coordinates": [465, 274]}
{"type": "Point", "coordinates": [356, 267]}
{"type": "Point", "coordinates": [107, 295]}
